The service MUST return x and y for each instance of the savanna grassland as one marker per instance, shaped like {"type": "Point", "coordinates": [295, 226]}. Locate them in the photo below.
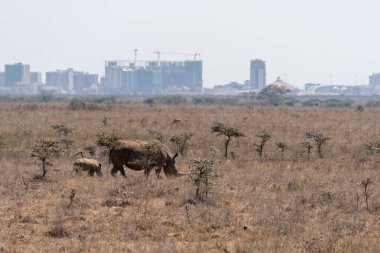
{"type": "Point", "coordinates": [268, 204]}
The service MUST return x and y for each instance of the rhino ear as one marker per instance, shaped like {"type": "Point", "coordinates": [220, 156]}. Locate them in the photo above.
{"type": "Point", "coordinates": [176, 154]}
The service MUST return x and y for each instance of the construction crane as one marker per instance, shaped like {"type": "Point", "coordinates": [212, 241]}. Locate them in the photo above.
{"type": "Point", "coordinates": [174, 53]}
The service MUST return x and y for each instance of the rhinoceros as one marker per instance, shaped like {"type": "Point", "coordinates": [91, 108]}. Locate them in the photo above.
{"type": "Point", "coordinates": [143, 155]}
{"type": "Point", "coordinates": [90, 165]}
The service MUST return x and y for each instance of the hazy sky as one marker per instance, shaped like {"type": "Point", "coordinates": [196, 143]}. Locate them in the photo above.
{"type": "Point", "coordinates": [300, 40]}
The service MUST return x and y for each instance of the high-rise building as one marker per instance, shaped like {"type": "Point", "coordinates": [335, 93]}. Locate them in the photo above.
{"type": "Point", "coordinates": [152, 77]}
{"type": "Point", "coordinates": [2, 78]}
{"type": "Point", "coordinates": [374, 79]}
{"type": "Point", "coordinates": [83, 80]}
{"type": "Point", "coordinates": [16, 74]}
{"type": "Point", "coordinates": [257, 74]}
{"type": "Point", "coordinates": [63, 79]}
{"type": "Point", "coordinates": [35, 77]}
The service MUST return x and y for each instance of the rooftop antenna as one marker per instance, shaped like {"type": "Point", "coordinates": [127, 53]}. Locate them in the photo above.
{"type": "Point", "coordinates": [195, 56]}
{"type": "Point", "coordinates": [135, 50]}
{"type": "Point", "coordinates": [158, 55]}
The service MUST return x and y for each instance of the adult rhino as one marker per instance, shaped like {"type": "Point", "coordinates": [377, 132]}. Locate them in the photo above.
{"type": "Point", "coordinates": [143, 155]}
{"type": "Point", "coordinates": [90, 165]}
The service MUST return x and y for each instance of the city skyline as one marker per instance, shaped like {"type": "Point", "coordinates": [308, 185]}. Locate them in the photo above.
{"type": "Point", "coordinates": [290, 35]}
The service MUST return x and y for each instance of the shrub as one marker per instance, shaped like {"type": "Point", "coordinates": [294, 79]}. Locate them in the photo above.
{"type": "Point", "coordinates": [62, 129]}
{"type": "Point", "coordinates": [67, 143]}
{"type": "Point", "coordinates": [339, 103]}
{"type": "Point", "coordinates": [167, 100]}
{"type": "Point", "coordinates": [307, 146]}
{"type": "Point", "coordinates": [273, 94]}
{"type": "Point", "coordinates": [203, 176]}
{"type": "Point", "coordinates": [3, 140]}
{"type": "Point", "coordinates": [319, 138]}
{"type": "Point", "coordinates": [282, 146]}
{"type": "Point", "coordinates": [263, 138]}
{"type": "Point", "coordinates": [180, 142]}
{"type": "Point", "coordinates": [90, 149]}
{"type": "Point", "coordinates": [372, 104]}
{"type": "Point", "coordinates": [105, 140]}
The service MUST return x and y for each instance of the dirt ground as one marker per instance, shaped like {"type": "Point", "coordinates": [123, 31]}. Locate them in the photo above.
{"type": "Point", "coordinates": [268, 204]}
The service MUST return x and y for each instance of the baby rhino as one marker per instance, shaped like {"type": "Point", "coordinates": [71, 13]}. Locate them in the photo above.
{"type": "Point", "coordinates": [90, 165]}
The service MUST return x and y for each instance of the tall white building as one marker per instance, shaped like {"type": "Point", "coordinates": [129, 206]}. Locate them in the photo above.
{"type": "Point", "coordinates": [257, 74]}
{"type": "Point", "coordinates": [63, 79]}
{"type": "Point", "coordinates": [374, 79]}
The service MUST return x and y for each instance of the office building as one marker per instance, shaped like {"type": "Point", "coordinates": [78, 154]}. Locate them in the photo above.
{"type": "Point", "coordinates": [82, 80]}
{"type": "Point", "coordinates": [374, 79]}
{"type": "Point", "coordinates": [16, 74]}
{"type": "Point", "coordinates": [63, 79]}
{"type": "Point", "coordinates": [35, 77]}
{"type": "Point", "coordinates": [257, 74]}
{"type": "Point", "coordinates": [2, 78]}
{"type": "Point", "coordinates": [152, 77]}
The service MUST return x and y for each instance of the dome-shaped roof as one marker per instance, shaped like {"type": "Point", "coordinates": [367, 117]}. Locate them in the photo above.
{"type": "Point", "coordinates": [280, 83]}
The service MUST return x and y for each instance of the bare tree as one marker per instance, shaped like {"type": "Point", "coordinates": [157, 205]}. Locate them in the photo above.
{"type": "Point", "coordinates": [229, 132]}
{"type": "Point", "coordinates": [44, 151]}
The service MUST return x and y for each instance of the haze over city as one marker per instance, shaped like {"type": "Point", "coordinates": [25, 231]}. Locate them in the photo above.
{"type": "Point", "coordinates": [301, 41]}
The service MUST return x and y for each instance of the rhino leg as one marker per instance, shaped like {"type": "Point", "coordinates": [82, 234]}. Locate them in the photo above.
{"type": "Point", "coordinates": [158, 171]}
{"type": "Point", "coordinates": [122, 171]}
{"type": "Point", "coordinates": [146, 172]}
{"type": "Point", "coordinates": [114, 170]}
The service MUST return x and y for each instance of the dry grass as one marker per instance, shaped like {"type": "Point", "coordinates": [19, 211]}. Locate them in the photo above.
{"type": "Point", "coordinates": [260, 205]}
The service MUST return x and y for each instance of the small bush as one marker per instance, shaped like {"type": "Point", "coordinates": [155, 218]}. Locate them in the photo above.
{"type": "Point", "coordinates": [180, 142]}
{"type": "Point", "coordinates": [105, 140]}
{"type": "Point", "coordinates": [319, 138]}
{"type": "Point", "coordinates": [203, 176]}
{"type": "Point", "coordinates": [166, 100]}
{"type": "Point", "coordinates": [259, 146]}
{"type": "Point", "coordinates": [3, 140]}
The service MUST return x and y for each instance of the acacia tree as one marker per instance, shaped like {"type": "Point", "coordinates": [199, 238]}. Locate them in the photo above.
{"type": "Point", "coordinates": [229, 132]}
{"type": "Point", "coordinates": [44, 151]}
{"type": "Point", "coordinates": [263, 138]}
{"type": "Point", "coordinates": [282, 146]}
{"type": "Point", "coordinates": [319, 138]}
{"type": "Point", "coordinates": [273, 94]}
